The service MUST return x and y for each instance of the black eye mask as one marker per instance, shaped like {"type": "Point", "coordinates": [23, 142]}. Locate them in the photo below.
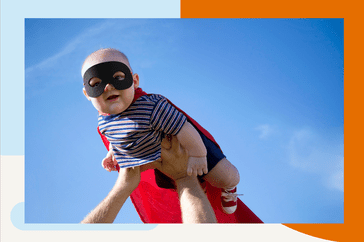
{"type": "Point", "coordinates": [105, 72]}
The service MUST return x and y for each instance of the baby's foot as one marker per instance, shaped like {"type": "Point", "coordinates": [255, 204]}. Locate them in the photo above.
{"type": "Point", "coordinates": [229, 200]}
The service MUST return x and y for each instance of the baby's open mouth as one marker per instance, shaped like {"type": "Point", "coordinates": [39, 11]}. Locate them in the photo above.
{"type": "Point", "coordinates": [112, 97]}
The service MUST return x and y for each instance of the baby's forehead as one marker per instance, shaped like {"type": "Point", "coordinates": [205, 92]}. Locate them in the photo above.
{"type": "Point", "coordinates": [98, 59]}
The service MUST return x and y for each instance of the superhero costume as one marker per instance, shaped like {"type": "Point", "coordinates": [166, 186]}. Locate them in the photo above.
{"type": "Point", "coordinates": [158, 205]}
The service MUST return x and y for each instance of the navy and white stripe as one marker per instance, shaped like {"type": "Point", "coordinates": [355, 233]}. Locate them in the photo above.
{"type": "Point", "coordinates": [136, 134]}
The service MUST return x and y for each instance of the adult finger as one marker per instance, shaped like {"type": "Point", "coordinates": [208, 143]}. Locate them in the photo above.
{"type": "Point", "coordinates": [176, 147]}
{"type": "Point", "coordinates": [166, 143]}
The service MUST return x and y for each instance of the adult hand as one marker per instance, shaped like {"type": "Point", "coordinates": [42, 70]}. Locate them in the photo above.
{"type": "Point", "coordinates": [195, 206]}
{"type": "Point", "coordinates": [174, 160]}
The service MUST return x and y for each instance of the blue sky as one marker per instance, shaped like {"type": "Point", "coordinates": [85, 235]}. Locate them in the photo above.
{"type": "Point", "coordinates": [269, 90]}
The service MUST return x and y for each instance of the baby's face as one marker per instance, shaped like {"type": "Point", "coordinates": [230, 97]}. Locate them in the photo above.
{"type": "Point", "coordinates": [111, 100]}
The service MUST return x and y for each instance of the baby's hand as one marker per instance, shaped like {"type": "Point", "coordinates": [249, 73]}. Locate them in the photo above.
{"type": "Point", "coordinates": [109, 162]}
{"type": "Point", "coordinates": [197, 166]}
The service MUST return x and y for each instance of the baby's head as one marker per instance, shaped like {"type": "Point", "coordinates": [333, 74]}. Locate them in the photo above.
{"type": "Point", "coordinates": [109, 82]}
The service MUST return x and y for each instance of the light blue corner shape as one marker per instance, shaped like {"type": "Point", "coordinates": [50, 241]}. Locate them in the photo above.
{"type": "Point", "coordinates": [17, 218]}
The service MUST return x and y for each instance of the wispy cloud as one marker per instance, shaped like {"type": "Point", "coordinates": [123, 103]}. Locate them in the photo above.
{"type": "Point", "coordinates": [265, 131]}
{"type": "Point", "coordinates": [336, 180]}
{"type": "Point", "coordinates": [311, 153]}
{"type": "Point", "coordinates": [123, 31]}
{"type": "Point", "coordinates": [48, 74]}
{"type": "Point", "coordinates": [71, 46]}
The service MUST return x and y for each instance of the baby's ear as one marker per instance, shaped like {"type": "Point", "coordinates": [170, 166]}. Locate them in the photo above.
{"type": "Point", "coordinates": [85, 93]}
{"type": "Point", "coordinates": [136, 80]}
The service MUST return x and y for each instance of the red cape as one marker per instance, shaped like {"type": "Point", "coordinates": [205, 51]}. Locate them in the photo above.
{"type": "Point", "coordinates": [160, 205]}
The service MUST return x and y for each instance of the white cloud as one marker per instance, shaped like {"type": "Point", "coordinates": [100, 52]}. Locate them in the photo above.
{"type": "Point", "coordinates": [265, 131]}
{"type": "Point", "coordinates": [311, 153]}
{"type": "Point", "coordinates": [336, 180]}
{"type": "Point", "coordinates": [122, 31]}
{"type": "Point", "coordinates": [71, 46]}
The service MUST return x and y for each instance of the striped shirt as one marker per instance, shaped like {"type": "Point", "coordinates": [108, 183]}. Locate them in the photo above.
{"type": "Point", "coordinates": [136, 133]}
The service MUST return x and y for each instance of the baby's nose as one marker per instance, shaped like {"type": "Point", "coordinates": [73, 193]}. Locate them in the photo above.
{"type": "Point", "coordinates": [109, 87]}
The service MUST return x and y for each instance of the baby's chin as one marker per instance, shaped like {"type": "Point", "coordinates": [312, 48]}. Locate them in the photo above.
{"type": "Point", "coordinates": [116, 110]}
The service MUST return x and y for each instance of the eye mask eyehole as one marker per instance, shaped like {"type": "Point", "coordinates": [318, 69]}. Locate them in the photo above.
{"type": "Point", "coordinates": [94, 83]}
{"type": "Point", "coordinates": [105, 72]}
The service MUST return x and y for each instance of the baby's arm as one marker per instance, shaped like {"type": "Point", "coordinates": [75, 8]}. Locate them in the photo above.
{"type": "Point", "coordinates": [191, 140]}
{"type": "Point", "coordinates": [109, 161]}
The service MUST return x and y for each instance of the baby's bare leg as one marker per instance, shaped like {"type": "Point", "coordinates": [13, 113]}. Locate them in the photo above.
{"type": "Point", "coordinates": [223, 175]}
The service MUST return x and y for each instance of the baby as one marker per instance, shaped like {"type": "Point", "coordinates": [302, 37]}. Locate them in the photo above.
{"type": "Point", "coordinates": [136, 124]}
